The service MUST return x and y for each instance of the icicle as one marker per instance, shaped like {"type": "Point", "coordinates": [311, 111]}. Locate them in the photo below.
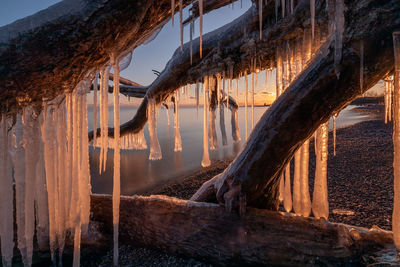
{"type": "Point", "coordinates": [320, 205]}
{"type": "Point", "coordinates": [291, 6]}
{"type": "Point", "coordinates": [197, 98]}
{"type": "Point", "coordinates": [155, 150]}
{"type": "Point", "coordinates": [6, 196]}
{"type": "Point", "coordinates": [252, 96]}
{"type": "Point", "coordinates": [212, 130]}
{"type": "Point", "coordinates": [361, 67]}
{"type": "Point", "coordinates": [206, 158]}
{"type": "Point", "coordinates": [245, 100]}
{"type": "Point", "coordinates": [260, 16]}
{"type": "Point", "coordinates": [296, 182]}
{"type": "Point", "coordinates": [104, 118]}
{"type": "Point", "coordinates": [396, 142]}
{"type": "Point", "coordinates": [339, 22]}
{"type": "Point", "coordinates": [42, 213]}
{"type": "Point", "coordinates": [60, 180]}
{"type": "Point", "coordinates": [222, 125]}
{"type": "Point", "coordinates": [287, 199]}
{"type": "Point", "coordinates": [312, 9]}
{"type": "Point", "coordinates": [218, 89]}
{"type": "Point", "coordinates": [390, 94]}
{"type": "Point", "coordinates": [31, 145]}
{"type": "Point", "coordinates": [282, 188]}
{"type": "Point", "coordinates": [276, 9]}
{"type": "Point", "coordinates": [283, 7]}
{"type": "Point", "coordinates": [117, 156]}
{"type": "Point", "coordinates": [95, 87]}
{"type": "Point", "coordinates": [180, 22]}
{"type": "Point", "coordinates": [178, 141]}
{"type": "Point", "coordinates": [304, 191]}
{"type": "Point", "coordinates": [235, 125]}
{"type": "Point", "coordinates": [201, 27]}
{"type": "Point", "coordinates": [172, 11]}
{"type": "Point", "coordinates": [191, 41]}
{"type": "Point", "coordinates": [279, 72]}
{"type": "Point", "coordinates": [18, 159]}
{"type": "Point", "coordinates": [334, 134]}
{"type": "Point", "coordinates": [386, 96]}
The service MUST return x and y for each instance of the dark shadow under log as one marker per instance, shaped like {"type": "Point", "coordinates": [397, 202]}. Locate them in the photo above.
{"type": "Point", "coordinates": [207, 232]}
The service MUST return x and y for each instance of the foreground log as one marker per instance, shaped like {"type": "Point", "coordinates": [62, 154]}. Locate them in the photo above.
{"type": "Point", "coordinates": [207, 232]}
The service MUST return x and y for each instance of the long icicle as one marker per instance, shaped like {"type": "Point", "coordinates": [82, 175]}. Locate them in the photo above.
{"type": "Point", "coordinates": [260, 16]}
{"type": "Point", "coordinates": [396, 142]}
{"type": "Point", "coordinates": [201, 27]}
{"type": "Point", "coordinates": [245, 101]}
{"type": "Point", "coordinates": [320, 205]}
{"type": "Point", "coordinates": [287, 199]}
{"type": "Point", "coordinates": [312, 9]}
{"type": "Point", "coordinates": [206, 158]}
{"type": "Point", "coordinates": [177, 136]}
{"type": "Point", "coordinates": [95, 88]}
{"type": "Point", "coordinates": [117, 169]}
{"type": "Point", "coordinates": [6, 196]}
{"type": "Point", "coordinates": [334, 134]}
{"type": "Point", "coordinates": [304, 189]}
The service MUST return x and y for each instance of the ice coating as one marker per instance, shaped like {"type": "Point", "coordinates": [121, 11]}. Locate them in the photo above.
{"type": "Point", "coordinates": [155, 150]}
{"type": "Point", "coordinates": [320, 205]}
{"type": "Point", "coordinates": [6, 195]}
{"type": "Point", "coordinates": [205, 162]}
{"type": "Point", "coordinates": [177, 136]}
{"type": "Point", "coordinates": [235, 125]}
{"type": "Point", "coordinates": [287, 198]}
{"type": "Point", "coordinates": [396, 142]}
{"type": "Point", "coordinates": [117, 162]}
{"type": "Point", "coordinates": [282, 188]}
{"type": "Point", "coordinates": [252, 96]}
{"type": "Point", "coordinates": [212, 134]}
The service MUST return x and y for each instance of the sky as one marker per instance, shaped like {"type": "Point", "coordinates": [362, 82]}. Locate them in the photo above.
{"type": "Point", "coordinates": [155, 54]}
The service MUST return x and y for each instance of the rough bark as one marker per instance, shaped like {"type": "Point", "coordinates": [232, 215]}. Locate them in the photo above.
{"type": "Point", "coordinates": [260, 237]}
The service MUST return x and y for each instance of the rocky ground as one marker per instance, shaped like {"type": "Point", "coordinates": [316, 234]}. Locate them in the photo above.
{"type": "Point", "coordinates": [360, 186]}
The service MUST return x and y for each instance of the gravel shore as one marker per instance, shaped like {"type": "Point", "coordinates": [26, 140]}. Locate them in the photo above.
{"type": "Point", "coordinates": [360, 185]}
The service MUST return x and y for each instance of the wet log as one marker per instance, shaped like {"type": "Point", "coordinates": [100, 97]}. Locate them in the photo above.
{"type": "Point", "coordinates": [207, 232]}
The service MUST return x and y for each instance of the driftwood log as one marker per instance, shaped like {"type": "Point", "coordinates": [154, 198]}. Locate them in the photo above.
{"type": "Point", "coordinates": [207, 232]}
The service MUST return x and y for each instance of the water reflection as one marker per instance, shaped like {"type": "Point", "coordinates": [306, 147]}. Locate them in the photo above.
{"type": "Point", "coordinates": [139, 174]}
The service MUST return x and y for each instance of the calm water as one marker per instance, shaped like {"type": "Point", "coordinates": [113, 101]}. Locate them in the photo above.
{"type": "Point", "coordinates": [139, 174]}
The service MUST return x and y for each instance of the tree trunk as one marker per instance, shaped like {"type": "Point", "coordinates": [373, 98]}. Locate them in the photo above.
{"type": "Point", "coordinates": [207, 232]}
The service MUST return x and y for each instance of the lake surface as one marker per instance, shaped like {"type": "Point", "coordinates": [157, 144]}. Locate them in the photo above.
{"type": "Point", "coordinates": [139, 174]}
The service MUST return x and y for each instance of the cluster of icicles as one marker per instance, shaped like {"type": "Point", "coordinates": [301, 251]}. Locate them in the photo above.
{"type": "Point", "coordinates": [46, 153]}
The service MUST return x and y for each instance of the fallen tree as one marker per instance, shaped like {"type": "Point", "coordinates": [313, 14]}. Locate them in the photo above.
{"type": "Point", "coordinates": [207, 232]}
